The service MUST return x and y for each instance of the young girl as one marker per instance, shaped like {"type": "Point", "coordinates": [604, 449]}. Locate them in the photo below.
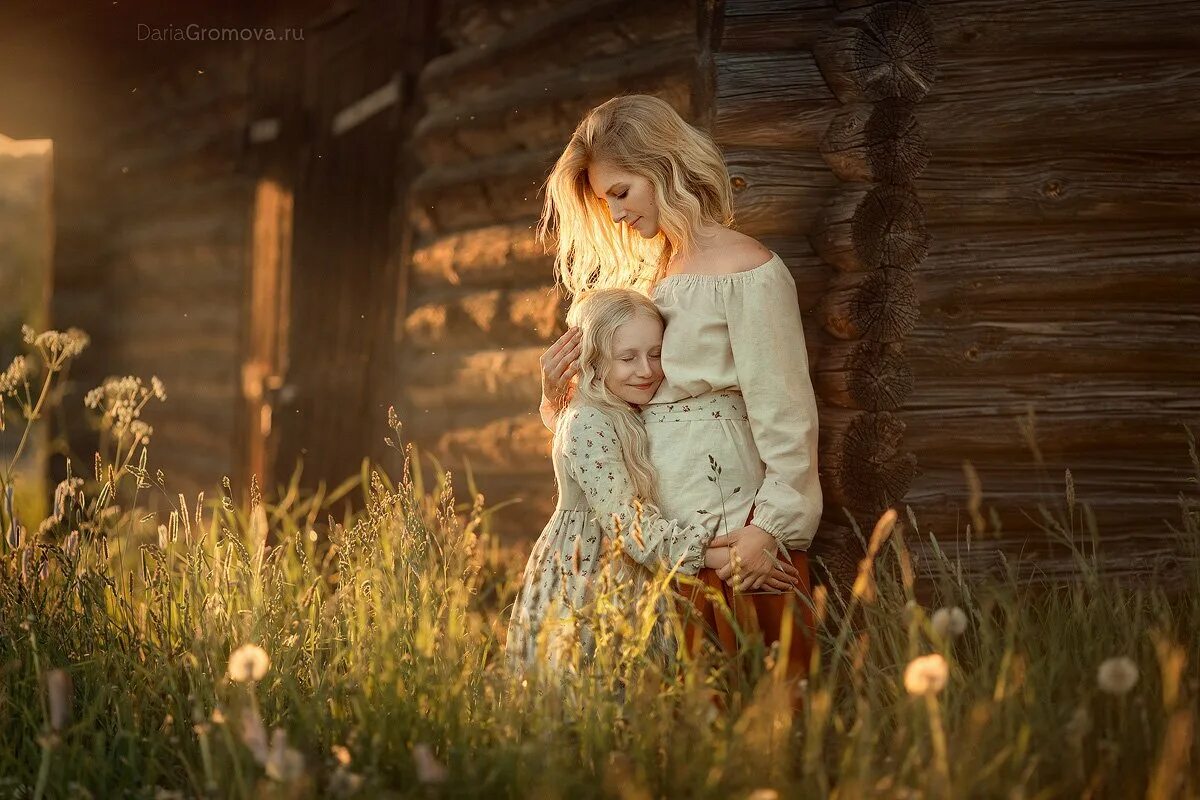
{"type": "Point", "coordinates": [606, 485]}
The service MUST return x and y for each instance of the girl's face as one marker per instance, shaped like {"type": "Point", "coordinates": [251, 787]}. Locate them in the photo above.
{"type": "Point", "coordinates": [634, 369]}
{"type": "Point", "coordinates": [630, 197]}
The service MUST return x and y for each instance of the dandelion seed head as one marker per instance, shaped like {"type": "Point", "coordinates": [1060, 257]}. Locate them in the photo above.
{"type": "Point", "coordinates": [949, 621]}
{"type": "Point", "coordinates": [248, 663]}
{"type": "Point", "coordinates": [926, 674]}
{"type": "Point", "coordinates": [1117, 675]}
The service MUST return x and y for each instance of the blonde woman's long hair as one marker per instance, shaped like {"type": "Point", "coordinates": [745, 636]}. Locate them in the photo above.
{"type": "Point", "coordinates": [599, 313]}
{"type": "Point", "coordinates": [644, 135]}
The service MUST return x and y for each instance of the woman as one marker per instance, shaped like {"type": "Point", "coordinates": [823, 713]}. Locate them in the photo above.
{"type": "Point", "coordinates": [640, 199]}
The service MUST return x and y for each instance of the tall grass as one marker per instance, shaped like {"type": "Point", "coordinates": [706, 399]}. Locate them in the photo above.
{"type": "Point", "coordinates": [266, 649]}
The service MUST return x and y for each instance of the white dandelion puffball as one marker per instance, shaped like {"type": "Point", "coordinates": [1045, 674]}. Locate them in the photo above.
{"type": "Point", "coordinates": [926, 674]}
{"type": "Point", "coordinates": [248, 663]}
{"type": "Point", "coordinates": [1117, 675]}
{"type": "Point", "coordinates": [952, 621]}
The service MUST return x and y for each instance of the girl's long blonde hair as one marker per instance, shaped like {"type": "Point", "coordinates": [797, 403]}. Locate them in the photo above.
{"type": "Point", "coordinates": [599, 313]}
{"type": "Point", "coordinates": [644, 135]}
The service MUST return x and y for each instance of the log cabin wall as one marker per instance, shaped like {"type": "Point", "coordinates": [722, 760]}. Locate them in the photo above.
{"type": "Point", "coordinates": [1042, 225]}
{"type": "Point", "coordinates": [151, 237]}
{"type": "Point", "coordinates": [482, 306]}
{"type": "Point", "coordinates": [1062, 201]}
{"type": "Point", "coordinates": [178, 257]}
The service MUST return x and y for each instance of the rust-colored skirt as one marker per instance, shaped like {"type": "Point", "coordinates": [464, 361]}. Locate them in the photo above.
{"type": "Point", "coordinates": [773, 616]}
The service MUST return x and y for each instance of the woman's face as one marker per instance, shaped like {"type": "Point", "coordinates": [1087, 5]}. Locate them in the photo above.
{"type": "Point", "coordinates": [630, 197]}
{"type": "Point", "coordinates": [634, 369]}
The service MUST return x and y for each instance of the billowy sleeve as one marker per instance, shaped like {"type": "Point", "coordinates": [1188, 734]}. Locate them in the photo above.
{"type": "Point", "coordinates": [769, 355]}
{"type": "Point", "coordinates": [594, 457]}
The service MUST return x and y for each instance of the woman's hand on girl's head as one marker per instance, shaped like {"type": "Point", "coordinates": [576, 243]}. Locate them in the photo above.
{"type": "Point", "coordinates": [559, 364]}
{"type": "Point", "coordinates": [753, 550]}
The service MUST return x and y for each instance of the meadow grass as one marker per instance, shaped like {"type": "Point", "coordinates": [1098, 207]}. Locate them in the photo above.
{"type": "Point", "coordinates": [267, 649]}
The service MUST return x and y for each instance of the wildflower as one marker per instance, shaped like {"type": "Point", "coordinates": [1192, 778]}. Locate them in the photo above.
{"type": "Point", "coordinates": [926, 674]}
{"type": "Point", "coordinates": [763, 794]}
{"type": "Point", "coordinates": [429, 769]}
{"type": "Point", "coordinates": [14, 375]}
{"type": "Point", "coordinates": [248, 663]}
{"type": "Point", "coordinates": [58, 692]}
{"type": "Point", "coordinates": [284, 764]}
{"type": "Point", "coordinates": [56, 348]}
{"type": "Point", "coordinates": [1117, 675]}
{"type": "Point", "coordinates": [951, 621]}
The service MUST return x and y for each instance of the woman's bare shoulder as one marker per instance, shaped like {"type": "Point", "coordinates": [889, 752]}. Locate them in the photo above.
{"type": "Point", "coordinates": [736, 252]}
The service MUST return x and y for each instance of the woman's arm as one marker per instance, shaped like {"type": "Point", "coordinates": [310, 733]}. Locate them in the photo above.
{"type": "Point", "coordinates": [771, 361]}
{"type": "Point", "coordinates": [558, 365]}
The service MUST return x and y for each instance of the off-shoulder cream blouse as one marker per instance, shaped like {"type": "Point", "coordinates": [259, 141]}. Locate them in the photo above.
{"type": "Point", "coordinates": [742, 332]}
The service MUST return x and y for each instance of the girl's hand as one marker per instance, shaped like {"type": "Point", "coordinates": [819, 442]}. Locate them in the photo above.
{"type": "Point", "coordinates": [754, 551]}
{"type": "Point", "coordinates": [716, 557]}
{"type": "Point", "coordinates": [559, 364]}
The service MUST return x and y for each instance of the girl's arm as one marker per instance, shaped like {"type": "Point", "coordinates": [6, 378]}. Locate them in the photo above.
{"type": "Point", "coordinates": [594, 455]}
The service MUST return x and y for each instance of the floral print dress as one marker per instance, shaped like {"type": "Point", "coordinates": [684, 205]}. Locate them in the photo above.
{"type": "Point", "coordinates": [595, 505]}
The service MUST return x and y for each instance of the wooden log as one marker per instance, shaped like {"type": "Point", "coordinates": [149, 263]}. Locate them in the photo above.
{"type": "Point", "coordinates": [1063, 416]}
{"type": "Point", "coordinates": [784, 87]}
{"type": "Point", "coordinates": [555, 40]}
{"type": "Point", "coordinates": [875, 143]}
{"type": "Point", "coordinates": [1133, 102]}
{"type": "Point", "coordinates": [862, 466]}
{"type": "Point", "coordinates": [871, 376]}
{"type": "Point", "coordinates": [971, 26]}
{"type": "Point", "coordinates": [478, 130]}
{"type": "Point", "coordinates": [485, 318]}
{"type": "Point", "coordinates": [865, 227]}
{"type": "Point", "coordinates": [497, 255]}
{"type": "Point", "coordinates": [602, 77]}
{"type": "Point", "coordinates": [509, 445]}
{"type": "Point", "coordinates": [1027, 339]}
{"type": "Point", "coordinates": [531, 165]}
{"type": "Point", "coordinates": [750, 25]}
{"type": "Point", "coordinates": [1078, 265]}
{"type": "Point", "coordinates": [1075, 187]}
{"type": "Point", "coordinates": [497, 378]}
{"type": "Point", "coordinates": [777, 193]}
{"type": "Point", "coordinates": [834, 556]}
{"type": "Point", "coordinates": [767, 99]}
{"type": "Point", "coordinates": [880, 52]}
{"type": "Point", "coordinates": [880, 306]}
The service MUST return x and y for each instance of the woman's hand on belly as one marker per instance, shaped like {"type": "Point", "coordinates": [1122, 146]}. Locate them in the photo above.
{"type": "Point", "coordinates": [752, 551]}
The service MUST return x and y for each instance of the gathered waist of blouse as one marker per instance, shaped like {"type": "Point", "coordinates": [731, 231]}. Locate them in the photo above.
{"type": "Point", "coordinates": [726, 404]}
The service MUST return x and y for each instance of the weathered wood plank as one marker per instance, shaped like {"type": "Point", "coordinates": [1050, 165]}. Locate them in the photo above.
{"type": "Point", "coordinates": [774, 25]}
{"type": "Point", "coordinates": [555, 40]}
{"type": "Point", "coordinates": [777, 193]}
{"type": "Point", "coordinates": [1075, 187]}
{"type": "Point", "coordinates": [485, 319]}
{"type": "Point", "coordinates": [496, 378]}
{"type": "Point", "coordinates": [1064, 26]}
{"type": "Point", "coordinates": [1022, 339]}
{"type": "Point", "coordinates": [1071, 264]}
{"type": "Point", "coordinates": [1136, 416]}
{"type": "Point", "coordinates": [1132, 101]}
{"type": "Point", "coordinates": [497, 255]}
{"type": "Point", "coordinates": [971, 26]}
